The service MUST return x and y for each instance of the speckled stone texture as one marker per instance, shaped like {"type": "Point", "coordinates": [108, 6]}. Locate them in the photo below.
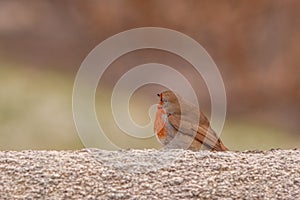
{"type": "Point", "coordinates": [150, 174]}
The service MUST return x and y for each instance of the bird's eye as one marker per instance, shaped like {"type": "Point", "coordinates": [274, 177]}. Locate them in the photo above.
{"type": "Point", "coordinates": [162, 99]}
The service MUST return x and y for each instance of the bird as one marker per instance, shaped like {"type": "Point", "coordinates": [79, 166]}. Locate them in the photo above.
{"type": "Point", "coordinates": [178, 124]}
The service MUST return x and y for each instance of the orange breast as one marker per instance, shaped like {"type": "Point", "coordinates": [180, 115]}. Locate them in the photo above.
{"type": "Point", "coordinates": [159, 123]}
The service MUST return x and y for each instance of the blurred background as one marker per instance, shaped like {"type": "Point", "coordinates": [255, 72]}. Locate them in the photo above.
{"type": "Point", "coordinates": [255, 44]}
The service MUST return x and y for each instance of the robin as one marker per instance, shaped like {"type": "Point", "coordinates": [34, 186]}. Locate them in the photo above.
{"type": "Point", "coordinates": [178, 124]}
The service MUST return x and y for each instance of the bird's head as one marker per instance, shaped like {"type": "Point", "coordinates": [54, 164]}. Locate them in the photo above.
{"type": "Point", "coordinates": [169, 102]}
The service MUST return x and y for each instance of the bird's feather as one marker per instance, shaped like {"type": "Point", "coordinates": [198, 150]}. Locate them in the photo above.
{"type": "Point", "coordinates": [203, 134]}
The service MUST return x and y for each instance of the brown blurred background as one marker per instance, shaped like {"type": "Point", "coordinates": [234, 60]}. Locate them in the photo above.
{"type": "Point", "coordinates": [255, 44]}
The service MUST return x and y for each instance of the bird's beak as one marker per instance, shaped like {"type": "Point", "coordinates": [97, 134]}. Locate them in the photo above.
{"type": "Point", "coordinates": [160, 98]}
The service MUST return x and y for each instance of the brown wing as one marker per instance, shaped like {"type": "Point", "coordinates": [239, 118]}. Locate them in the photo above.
{"type": "Point", "coordinates": [203, 134]}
